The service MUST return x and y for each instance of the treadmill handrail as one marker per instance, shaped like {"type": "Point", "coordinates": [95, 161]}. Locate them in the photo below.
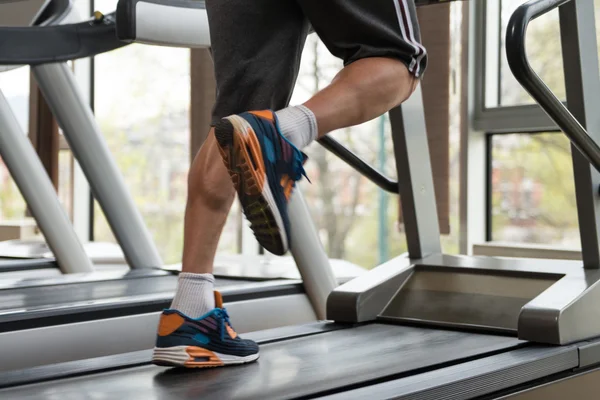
{"type": "Point", "coordinates": [58, 43]}
{"type": "Point", "coordinates": [519, 64]}
{"type": "Point", "coordinates": [364, 168]}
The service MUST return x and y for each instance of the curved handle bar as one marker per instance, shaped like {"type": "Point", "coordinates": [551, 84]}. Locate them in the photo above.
{"type": "Point", "coordinates": [521, 69]}
{"type": "Point", "coordinates": [359, 164]}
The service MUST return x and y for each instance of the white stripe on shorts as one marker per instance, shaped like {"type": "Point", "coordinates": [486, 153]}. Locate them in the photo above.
{"type": "Point", "coordinates": [405, 21]}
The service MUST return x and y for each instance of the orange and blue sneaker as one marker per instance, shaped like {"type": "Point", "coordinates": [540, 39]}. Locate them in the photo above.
{"type": "Point", "coordinates": [208, 341]}
{"type": "Point", "coordinates": [264, 167]}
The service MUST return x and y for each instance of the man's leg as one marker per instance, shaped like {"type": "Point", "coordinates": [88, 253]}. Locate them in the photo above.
{"type": "Point", "coordinates": [210, 196]}
{"type": "Point", "coordinates": [362, 91]}
{"type": "Point", "coordinates": [252, 71]}
{"type": "Point", "coordinates": [379, 43]}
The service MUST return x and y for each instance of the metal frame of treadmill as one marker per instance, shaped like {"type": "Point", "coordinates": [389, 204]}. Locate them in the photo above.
{"type": "Point", "coordinates": [563, 313]}
{"type": "Point", "coordinates": [33, 182]}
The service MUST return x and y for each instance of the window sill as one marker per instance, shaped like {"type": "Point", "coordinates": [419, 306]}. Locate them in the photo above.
{"type": "Point", "coordinates": [507, 249]}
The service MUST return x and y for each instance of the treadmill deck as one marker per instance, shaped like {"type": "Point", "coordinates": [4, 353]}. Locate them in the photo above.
{"type": "Point", "coordinates": [316, 364]}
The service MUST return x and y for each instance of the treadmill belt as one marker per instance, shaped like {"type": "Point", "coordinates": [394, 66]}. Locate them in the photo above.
{"type": "Point", "coordinates": [318, 364]}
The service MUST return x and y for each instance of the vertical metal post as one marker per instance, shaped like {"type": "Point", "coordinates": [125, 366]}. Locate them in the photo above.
{"type": "Point", "coordinates": [309, 254]}
{"type": "Point", "coordinates": [415, 177]}
{"type": "Point", "coordinates": [580, 59]}
{"type": "Point", "coordinates": [37, 189]}
{"type": "Point", "coordinates": [89, 148]}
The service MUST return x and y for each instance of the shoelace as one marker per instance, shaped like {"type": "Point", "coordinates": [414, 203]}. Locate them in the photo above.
{"type": "Point", "coordinates": [295, 169]}
{"type": "Point", "coordinates": [224, 317]}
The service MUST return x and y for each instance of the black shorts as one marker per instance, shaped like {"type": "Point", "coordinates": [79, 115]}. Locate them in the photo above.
{"type": "Point", "coordinates": [257, 44]}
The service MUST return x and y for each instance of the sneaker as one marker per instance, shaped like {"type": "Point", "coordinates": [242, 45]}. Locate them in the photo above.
{"type": "Point", "coordinates": [209, 341]}
{"type": "Point", "coordinates": [264, 167]}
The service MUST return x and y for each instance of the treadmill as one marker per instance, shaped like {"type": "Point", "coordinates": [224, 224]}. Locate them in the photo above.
{"type": "Point", "coordinates": [431, 326]}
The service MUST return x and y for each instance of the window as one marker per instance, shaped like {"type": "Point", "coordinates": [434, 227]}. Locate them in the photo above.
{"type": "Point", "coordinates": [532, 190]}
{"type": "Point", "coordinates": [531, 196]}
{"type": "Point", "coordinates": [543, 48]}
{"type": "Point", "coordinates": [356, 220]}
{"type": "Point", "coordinates": [142, 106]}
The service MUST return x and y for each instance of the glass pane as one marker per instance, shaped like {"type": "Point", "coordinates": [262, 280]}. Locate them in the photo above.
{"type": "Point", "coordinates": [15, 87]}
{"type": "Point", "coordinates": [544, 51]}
{"type": "Point", "coordinates": [533, 193]}
{"type": "Point", "coordinates": [543, 48]}
{"type": "Point", "coordinates": [65, 180]}
{"type": "Point", "coordinates": [142, 97]}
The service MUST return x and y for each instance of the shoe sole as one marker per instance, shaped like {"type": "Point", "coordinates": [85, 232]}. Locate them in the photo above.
{"type": "Point", "coordinates": [196, 357]}
{"type": "Point", "coordinates": [242, 155]}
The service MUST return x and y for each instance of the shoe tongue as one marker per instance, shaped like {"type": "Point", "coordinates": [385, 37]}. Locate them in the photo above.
{"type": "Point", "coordinates": [218, 300]}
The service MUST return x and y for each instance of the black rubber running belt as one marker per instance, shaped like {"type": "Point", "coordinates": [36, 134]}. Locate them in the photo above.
{"type": "Point", "coordinates": [294, 368]}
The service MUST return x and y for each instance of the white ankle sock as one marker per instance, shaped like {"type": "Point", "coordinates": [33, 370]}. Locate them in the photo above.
{"type": "Point", "coordinates": [298, 124]}
{"type": "Point", "coordinates": [195, 294]}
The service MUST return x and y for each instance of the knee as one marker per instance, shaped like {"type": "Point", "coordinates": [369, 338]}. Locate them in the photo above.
{"type": "Point", "coordinates": [403, 82]}
{"type": "Point", "coordinates": [412, 86]}
{"type": "Point", "coordinates": [208, 179]}
{"type": "Point", "coordinates": [389, 83]}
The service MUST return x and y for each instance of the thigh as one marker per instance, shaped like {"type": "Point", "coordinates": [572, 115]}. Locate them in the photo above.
{"type": "Point", "coordinates": [256, 47]}
{"type": "Point", "coordinates": [355, 29]}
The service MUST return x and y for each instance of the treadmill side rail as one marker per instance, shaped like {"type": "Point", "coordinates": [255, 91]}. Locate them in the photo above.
{"type": "Point", "coordinates": [565, 313]}
{"type": "Point", "coordinates": [363, 298]}
{"type": "Point", "coordinates": [474, 378]}
{"type": "Point", "coordinates": [58, 43]}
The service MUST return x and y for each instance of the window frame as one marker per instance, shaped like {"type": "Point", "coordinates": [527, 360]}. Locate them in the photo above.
{"type": "Point", "coordinates": [484, 62]}
{"type": "Point", "coordinates": [498, 119]}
